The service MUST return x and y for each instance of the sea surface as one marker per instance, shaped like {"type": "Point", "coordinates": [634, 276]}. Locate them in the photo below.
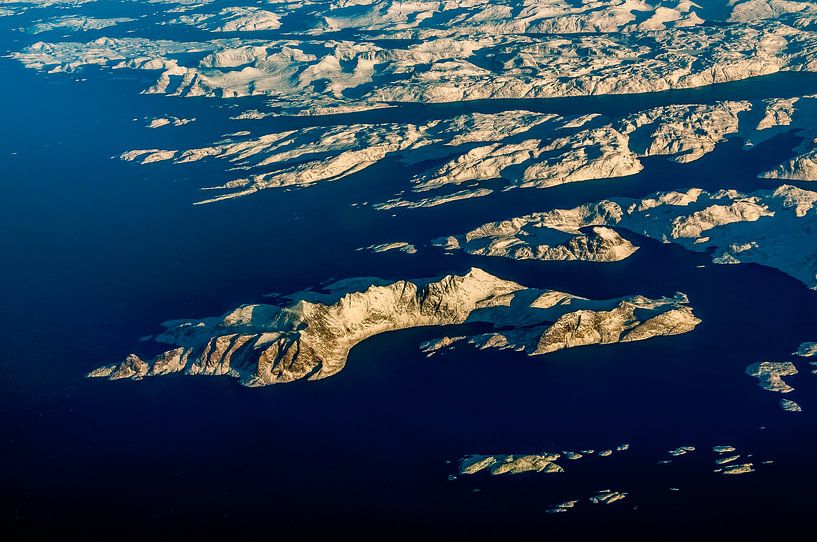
{"type": "Point", "coordinates": [97, 252]}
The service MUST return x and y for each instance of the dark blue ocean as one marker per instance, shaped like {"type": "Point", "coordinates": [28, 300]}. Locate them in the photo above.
{"type": "Point", "coordinates": [96, 252]}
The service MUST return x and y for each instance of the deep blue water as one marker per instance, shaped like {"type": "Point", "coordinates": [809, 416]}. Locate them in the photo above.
{"type": "Point", "coordinates": [97, 252]}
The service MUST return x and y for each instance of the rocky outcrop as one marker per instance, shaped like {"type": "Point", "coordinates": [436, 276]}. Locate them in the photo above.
{"type": "Point", "coordinates": [233, 19]}
{"type": "Point", "coordinates": [681, 450]}
{"type": "Point", "coordinates": [265, 344]}
{"type": "Point", "coordinates": [456, 51]}
{"type": "Point", "coordinates": [320, 153]}
{"type": "Point", "coordinates": [510, 16]}
{"type": "Point", "coordinates": [682, 132]}
{"type": "Point", "coordinates": [560, 321]}
{"type": "Point", "coordinates": [802, 167]}
{"type": "Point", "coordinates": [400, 246]}
{"type": "Point", "coordinates": [798, 14]}
{"type": "Point", "coordinates": [562, 507]}
{"type": "Point", "coordinates": [769, 227]}
{"type": "Point", "coordinates": [511, 464]}
{"type": "Point", "coordinates": [807, 350]}
{"type": "Point", "coordinates": [607, 496]}
{"type": "Point", "coordinates": [742, 468]}
{"type": "Point", "coordinates": [790, 406]}
{"type": "Point", "coordinates": [770, 375]}
{"type": "Point", "coordinates": [311, 338]}
{"type": "Point", "coordinates": [78, 23]}
{"type": "Point", "coordinates": [778, 112]}
{"type": "Point", "coordinates": [544, 462]}
{"type": "Point", "coordinates": [519, 240]}
{"type": "Point", "coordinates": [158, 122]}
{"type": "Point", "coordinates": [799, 115]}
{"type": "Point", "coordinates": [585, 327]}
{"type": "Point", "coordinates": [723, 460]}
{"type": "Point", "coordinates": [523, 149]}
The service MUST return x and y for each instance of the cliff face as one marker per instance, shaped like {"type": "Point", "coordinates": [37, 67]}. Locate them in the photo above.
{"type": "Point", "coordinates": [312, 337]}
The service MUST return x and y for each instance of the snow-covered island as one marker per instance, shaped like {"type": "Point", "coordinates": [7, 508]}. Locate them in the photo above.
{"type": "Point", "coordinates": [771, 227]}
{"type": "Point", "coordinates": [311, 338]}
